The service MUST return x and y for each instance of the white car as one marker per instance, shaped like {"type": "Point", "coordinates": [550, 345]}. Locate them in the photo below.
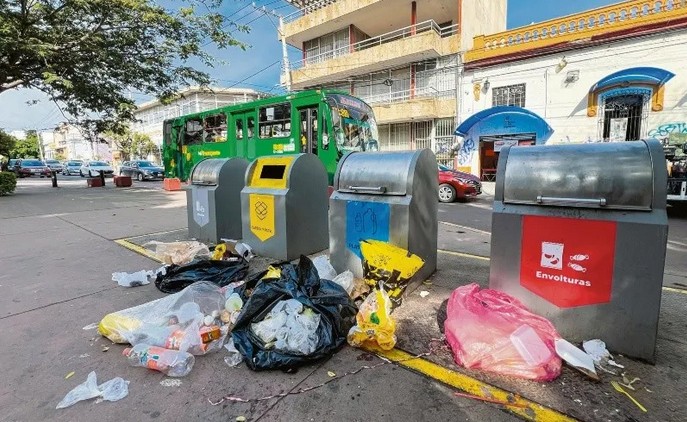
{"type": "Point", "coordinates": [93, 169]}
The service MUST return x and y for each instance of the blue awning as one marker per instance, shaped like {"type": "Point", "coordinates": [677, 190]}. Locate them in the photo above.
{"type": "Point", "coordinates": [504, 120]}
{"type": "Point", "coordinates": [635, 75]}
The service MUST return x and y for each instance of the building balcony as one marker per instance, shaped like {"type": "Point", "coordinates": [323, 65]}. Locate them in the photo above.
{"type": "Point", "coordinates": [414, 43]}
{"type": "Point", "coordinates": [575, 29]}
{"type": "Point", "coordinates": [413, 104]}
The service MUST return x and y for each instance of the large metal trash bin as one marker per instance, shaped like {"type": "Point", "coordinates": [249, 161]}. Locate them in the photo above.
{"type": "Point", "coordinates": [579, 235]}
{"type": "Point", "coordinates": [284, 206]}
{"type": "Point", "coordinates": [214, 199]}
{"type": "Point", "coordinates": [387, 196]}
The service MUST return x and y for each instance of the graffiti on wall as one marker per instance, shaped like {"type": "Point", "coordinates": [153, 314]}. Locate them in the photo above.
{"type": "Point", "coordinates": [466, 152]}
{"type": "Point", "coordinates": [672, 131]}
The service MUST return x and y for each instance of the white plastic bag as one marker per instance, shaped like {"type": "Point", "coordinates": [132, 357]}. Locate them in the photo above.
{"type": "Point", "coordinates": [289, 327]}
{"type": "Point", "coordinates": [112, 390]}
{"type": "Point", "coordinates": [235, 357]}
{"type": "Point", "coordinates": [346, 280]}
{"type": "Point", "coordinates": [139, 278]}
{"type": "Point", "coordinates": [87, 390]}
{"type": "Point", "coordinates": [324, 267]}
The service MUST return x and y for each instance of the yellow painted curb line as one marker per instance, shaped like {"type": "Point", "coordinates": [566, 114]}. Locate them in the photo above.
{"type": "Point", "coordinates": [138, 249]}
{"type": "Point", "coordinates": [531, 411]}
{"type": "Point", "coordinates": [674, 290]}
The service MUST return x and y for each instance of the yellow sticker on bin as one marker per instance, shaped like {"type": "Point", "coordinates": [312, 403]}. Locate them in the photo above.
{"type": "Point", "coordinates": [271, 172]}
{"type": "Point", "coordinates": [261, 215]}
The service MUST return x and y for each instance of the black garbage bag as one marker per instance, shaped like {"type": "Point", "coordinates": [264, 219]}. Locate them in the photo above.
{"type": "Point", "coordinates": [220, 273]}
{"type": "Point", "coordinates": [326, 298]}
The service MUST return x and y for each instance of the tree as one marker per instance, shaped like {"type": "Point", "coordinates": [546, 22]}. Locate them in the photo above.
{"type": "Point", "coordinates": [132, 145]}
{"type": "Point", "coordinates": [88, 54]}
{"type": "Point", "coordinates": [7, 143]}
{"type": "Point", "coordinates": [142, 145]}
{"type": "Point", "coordinates": [26, 148]}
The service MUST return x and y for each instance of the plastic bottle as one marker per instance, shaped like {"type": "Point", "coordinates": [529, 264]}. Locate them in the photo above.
{"type": "Point", "coordinates": [173, 363]}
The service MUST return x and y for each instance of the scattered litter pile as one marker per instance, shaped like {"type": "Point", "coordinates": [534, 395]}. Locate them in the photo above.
{"type": "Point", "coordinates": [294, 314]}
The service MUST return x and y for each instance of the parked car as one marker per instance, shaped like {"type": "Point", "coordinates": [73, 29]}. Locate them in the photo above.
{"type": "Point", "coordinates": [93, 169]}
{"type": "Point", "coordinates": [54, 165]}
{"type": "Point", "coordinates": [72, 167]}
{"type": "Point", "coordinates": [457, 185]}
{"type": "Point", "coordinates": [142, 170]}
{"type": "Point", "coordinates": [11, 163]}
{"type": "Point", "coordinates": [27, 167]}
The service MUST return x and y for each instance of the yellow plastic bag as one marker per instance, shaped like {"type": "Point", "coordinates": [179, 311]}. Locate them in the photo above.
{"type": "Point", "coordinates": [391, 265]}
{"type": "Point", "coordinates": [113, 325]}
{"type": "Point", "coordinates": [219, 252]}
{"type": "Point", "coordinates": [374, 325]}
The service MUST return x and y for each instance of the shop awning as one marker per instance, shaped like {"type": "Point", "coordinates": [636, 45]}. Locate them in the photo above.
{"type": "Point", "coordinates": [635, 75]}
{"type": "Point", "coordinates": [504, 120]}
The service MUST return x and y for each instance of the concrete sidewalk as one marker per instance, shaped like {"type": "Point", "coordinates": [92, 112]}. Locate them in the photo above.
{"type": "Point", "coordinates": [56, 280]}
{"type": "Point", "coordinates": [57, 258]}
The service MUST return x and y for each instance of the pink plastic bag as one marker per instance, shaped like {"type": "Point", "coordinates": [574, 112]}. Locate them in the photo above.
{"type": "Point", "coordinates": [492, 331]}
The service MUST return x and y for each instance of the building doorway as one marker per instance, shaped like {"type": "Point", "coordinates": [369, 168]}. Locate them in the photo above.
{"type": "Point", "coordinates": [490, 148]}
{"type": "Point", "coordinates": [623, 116]}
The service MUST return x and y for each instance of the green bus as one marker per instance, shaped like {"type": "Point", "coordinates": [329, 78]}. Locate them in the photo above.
{"type": "Point", "coordinates": [322, 122]}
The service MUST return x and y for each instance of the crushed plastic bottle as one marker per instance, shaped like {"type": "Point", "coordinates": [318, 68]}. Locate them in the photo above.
{"type": "Point", "coordinates": [172, 363]}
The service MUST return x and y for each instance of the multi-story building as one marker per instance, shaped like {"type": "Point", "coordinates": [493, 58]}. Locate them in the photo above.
{"type": "Point", "coordinates": [400, 56]}
{"type": "Point", "coordinates": [67, 141]}
{"type": "Point", "coordinates": [150, 115]}
{"type": "Point", "coordinates": [614, 73]}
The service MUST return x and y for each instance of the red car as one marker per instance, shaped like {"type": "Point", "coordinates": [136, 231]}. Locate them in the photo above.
{"type": "Point", "coordinates": [28, 167]}
{"type": "Point", "coordinates": [457, 185]}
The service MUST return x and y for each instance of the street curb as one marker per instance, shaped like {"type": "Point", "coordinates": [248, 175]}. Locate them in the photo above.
{"type": "Point", "coordinates": [519, 406]}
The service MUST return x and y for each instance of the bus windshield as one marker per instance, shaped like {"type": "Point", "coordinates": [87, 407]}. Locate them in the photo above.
{"type": "Point", "coordinates": [354, 124]}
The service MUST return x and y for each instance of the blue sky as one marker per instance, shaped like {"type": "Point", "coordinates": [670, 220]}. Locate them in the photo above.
{"type": "Point", "coordinates": [265, 50]}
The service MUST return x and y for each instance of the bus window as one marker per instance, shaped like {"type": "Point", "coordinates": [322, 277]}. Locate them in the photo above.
{"type": "Point", "coordinates": [251, 126]}
{"type": "Point", "coordinates": [194, 132]}
{"type": "Point", "coordinates": [167, 132]}
{"type": "Point", "coordinates": [239, 128]}
{"type": "Point", "coordinates": [275, 121]}
{"type": "Point", "coordinates": [215, 128]}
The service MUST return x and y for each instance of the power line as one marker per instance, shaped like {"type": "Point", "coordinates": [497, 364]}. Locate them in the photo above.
{"type": "Point", "coordinates": [254, 74]}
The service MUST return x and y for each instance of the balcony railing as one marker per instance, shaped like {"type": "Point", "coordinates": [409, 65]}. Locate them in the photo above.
{"type": "Point", "coordinates": [406, 95]}
{"type": "Point", "coordinates": [580, 26]}
{"type": "Point", "coordinates": [399, 34]}
{"type": "Point", "coordinates": [310, 7]}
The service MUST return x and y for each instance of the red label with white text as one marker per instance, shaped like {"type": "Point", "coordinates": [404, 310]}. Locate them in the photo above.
{"type": "Point", "coordinates": [568, 262]}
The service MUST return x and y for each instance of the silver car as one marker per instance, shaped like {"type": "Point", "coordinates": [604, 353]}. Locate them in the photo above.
{"type": "Point", "coordinates": [72, 167]}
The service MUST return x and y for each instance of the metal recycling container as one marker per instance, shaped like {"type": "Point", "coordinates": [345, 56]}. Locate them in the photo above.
{"type": "Point", "coordinates": [284, 206]}
{"type": "Point", "coordinates": [579, 235]}
{"type": "Point", "coordinates": [387, 196]}
{"type": "Point", "coordinates": [214, 199]}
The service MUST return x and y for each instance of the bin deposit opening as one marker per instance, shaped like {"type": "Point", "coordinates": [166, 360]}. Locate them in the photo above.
{"type": "Point", "coordinates": [271, 171]}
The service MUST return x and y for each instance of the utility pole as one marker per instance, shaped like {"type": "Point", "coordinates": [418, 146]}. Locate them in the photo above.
{"type": "Point", "coordinates": [285, 55]}
{"type": "Point", "coordinates": [286, 68]}
{"type": "Point", "coordinates": [40, 145]}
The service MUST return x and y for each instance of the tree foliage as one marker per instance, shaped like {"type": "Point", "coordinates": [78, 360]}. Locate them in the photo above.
{"type": "Point", "coordinates": [89, 54]}
{"type": "Point", "coordinates": [7, 143]}
{"type": "Point", "coordinates": [132, 145]}
{"type": "Point", "coordinates": [26, 148]}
